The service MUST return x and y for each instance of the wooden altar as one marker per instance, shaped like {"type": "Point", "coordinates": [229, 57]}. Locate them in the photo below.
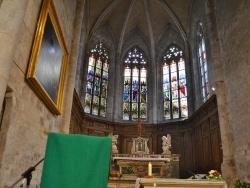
{"type": "Point", "coordinates": [130, 167]}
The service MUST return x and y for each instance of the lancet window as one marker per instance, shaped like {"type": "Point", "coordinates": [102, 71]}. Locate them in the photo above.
{"type": "Point", "coordinates": [97, 82]}
{"type": "Point", "coordinates": [202, 63]}
{"type": "Point", "coordinates": [135, 86]}
{"type": "Point", "coordinates": [174, 84]}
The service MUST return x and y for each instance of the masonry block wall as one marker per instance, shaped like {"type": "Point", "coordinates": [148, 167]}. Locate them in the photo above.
{"type": "Point", "coordinates": [26, 120]}
{"type": "Point", "coordinates": [234, 29]}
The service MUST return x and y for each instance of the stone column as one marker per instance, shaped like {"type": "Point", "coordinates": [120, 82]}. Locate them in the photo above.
{"type": "Point", "coordinates": [228, 166]}
{"type": "Point", "coordinates": [71, 72]}
{"type": "Point", "coordinates": [11, 18]}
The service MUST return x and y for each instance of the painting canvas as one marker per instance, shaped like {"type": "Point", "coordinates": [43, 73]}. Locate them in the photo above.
{"type": "Point", "coordinates": [49, 58]}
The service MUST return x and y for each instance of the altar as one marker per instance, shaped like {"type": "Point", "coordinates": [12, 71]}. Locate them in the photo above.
{"type": "Point", "coordinates": [131, 167]}
{"type": "Point", "coordinates": [140, 163]}
{"type": "Point", "coordinates": [180, 183]}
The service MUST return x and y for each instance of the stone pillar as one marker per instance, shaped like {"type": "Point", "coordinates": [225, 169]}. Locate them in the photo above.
{"type": "Point", "coordinates": [11, 18]}
{"type": "Point", "coordinates": [228, 166]}
{"type": "Point", "coordinates": [71, 72]}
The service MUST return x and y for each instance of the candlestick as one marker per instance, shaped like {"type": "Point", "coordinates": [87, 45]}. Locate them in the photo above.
{"type": "Point", "coordinates": [149, 169]}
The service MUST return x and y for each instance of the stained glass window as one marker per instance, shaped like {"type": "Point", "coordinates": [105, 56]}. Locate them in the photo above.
{"type": "Point", "coordinates": [135, 86]}
{"type": "Point", "coordinates": [202, 61]}
{"type": "Point", "coordinates": [97, 82]}
{"type": "Point", "coordinates": [174, 84]}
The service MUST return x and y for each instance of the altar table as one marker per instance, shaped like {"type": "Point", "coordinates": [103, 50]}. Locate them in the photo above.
{"type": "Point", "coordinates": [179, 183]}
{"type": "Point", "coordinates": [133, 166]}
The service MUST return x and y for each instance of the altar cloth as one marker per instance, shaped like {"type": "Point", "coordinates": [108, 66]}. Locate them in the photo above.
{"type": "Point", "coordinates": [142, 159]}
{"type": "Point", "coordinates": [76, 161]}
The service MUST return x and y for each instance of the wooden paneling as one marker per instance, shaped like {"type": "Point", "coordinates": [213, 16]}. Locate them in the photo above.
{"type": "Point", "coordinates": [207, 156]}
{"type": "Point", "coordinates": [206, 138]}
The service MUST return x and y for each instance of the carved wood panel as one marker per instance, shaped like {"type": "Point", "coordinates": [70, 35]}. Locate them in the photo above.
{"type": "Point", "coordinates": [207, 156]}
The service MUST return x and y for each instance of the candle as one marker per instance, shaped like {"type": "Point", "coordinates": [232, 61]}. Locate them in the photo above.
{"type": "Point", "coordinates": [149, 169]}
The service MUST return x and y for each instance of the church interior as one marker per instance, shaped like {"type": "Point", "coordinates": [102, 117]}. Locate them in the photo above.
{"type": "Point", "coordinates": [142, 72]}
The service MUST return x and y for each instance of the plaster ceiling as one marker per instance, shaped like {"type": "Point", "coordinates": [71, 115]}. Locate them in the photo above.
{"type": "Point", "coordinates": [149, 16]}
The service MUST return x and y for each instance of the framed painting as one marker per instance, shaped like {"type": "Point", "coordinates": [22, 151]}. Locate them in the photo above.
{"type": "Point", "coordinates": [49, 58]}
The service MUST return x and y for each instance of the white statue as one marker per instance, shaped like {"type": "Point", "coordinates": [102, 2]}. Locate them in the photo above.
{"type": "Point", "coordinates": [114, 142]}
{"type": "Point", "coordinates": [166, 144]}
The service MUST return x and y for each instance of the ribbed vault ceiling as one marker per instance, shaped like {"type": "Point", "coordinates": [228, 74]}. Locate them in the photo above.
{"type": "Point", "coordinates": [149, 16]}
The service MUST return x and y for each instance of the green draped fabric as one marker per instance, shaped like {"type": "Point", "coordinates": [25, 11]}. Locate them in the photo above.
{"type": "Point", "coordinates": [76, 161]}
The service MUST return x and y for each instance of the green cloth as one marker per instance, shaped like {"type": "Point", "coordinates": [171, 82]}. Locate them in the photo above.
{"type": "Point", "coordinates": [76, 161]}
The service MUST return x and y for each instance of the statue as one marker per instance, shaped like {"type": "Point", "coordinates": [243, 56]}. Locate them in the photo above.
{"type": "Point", "coordinates": [114, 142]}
{"type": "Point", "coordinates": [166, 144]}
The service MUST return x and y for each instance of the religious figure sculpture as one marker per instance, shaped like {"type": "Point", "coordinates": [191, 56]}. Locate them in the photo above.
{"type": "Point", "coordinates": [114, 142]}
{"type": "Point", "coordinates": [166, 144]}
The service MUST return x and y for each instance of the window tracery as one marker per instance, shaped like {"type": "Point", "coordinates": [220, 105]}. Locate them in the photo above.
{"type": "Point", "coordinates": [97, 82]}
{"type": "Point", "coordinates": [174, 84]}
{"type": "Point", "coordinates": [135, 86]}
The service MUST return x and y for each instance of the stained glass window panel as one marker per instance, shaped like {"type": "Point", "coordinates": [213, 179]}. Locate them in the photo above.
{"type": "Point", "coordinates": [126, 111]}
{"type": "Point", "coordinates": [202, 58]}
{"type": "Point", "coordinates": [184, 107]}
{"type": "Point", "coordinates": [134, 111]}
{"type": "Point", "coordinates": [173, 66]}
{"type": "Point", "coordinates": [175, 109]}
{"type": "Point", "coordinates": [97, 82]}
{"type": "Point", "coordinates": [135, 86]}
{"type": "Point", "coordinates": [143, 110]}
{"type": "Point", "coordinates": [181, 64]}
{"type": "Point", "coordinates": [174, 84]}
{"type": "Point", "coordinates": [126, 93]}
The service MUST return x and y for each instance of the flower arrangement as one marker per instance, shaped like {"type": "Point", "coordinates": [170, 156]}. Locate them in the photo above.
{"type": "Point", "coordinates": [214, 175]}
{"type": "Point", "coordinates": [241, 184]}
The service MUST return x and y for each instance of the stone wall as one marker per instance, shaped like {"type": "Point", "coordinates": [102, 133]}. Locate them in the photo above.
{"type": "Point", "coordinates": [27, 120]}
{"type": "Point", "coordinates": [234, 29]}
{"type": "Point", "coordinates": [226, 25]}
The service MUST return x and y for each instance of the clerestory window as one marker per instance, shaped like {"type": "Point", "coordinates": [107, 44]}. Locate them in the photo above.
{"type": "Point", "coordinates": [202, 63]}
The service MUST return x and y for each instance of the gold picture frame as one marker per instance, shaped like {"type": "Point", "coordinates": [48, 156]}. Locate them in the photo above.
{"type": "Point", "coordinates": [49, 59]}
